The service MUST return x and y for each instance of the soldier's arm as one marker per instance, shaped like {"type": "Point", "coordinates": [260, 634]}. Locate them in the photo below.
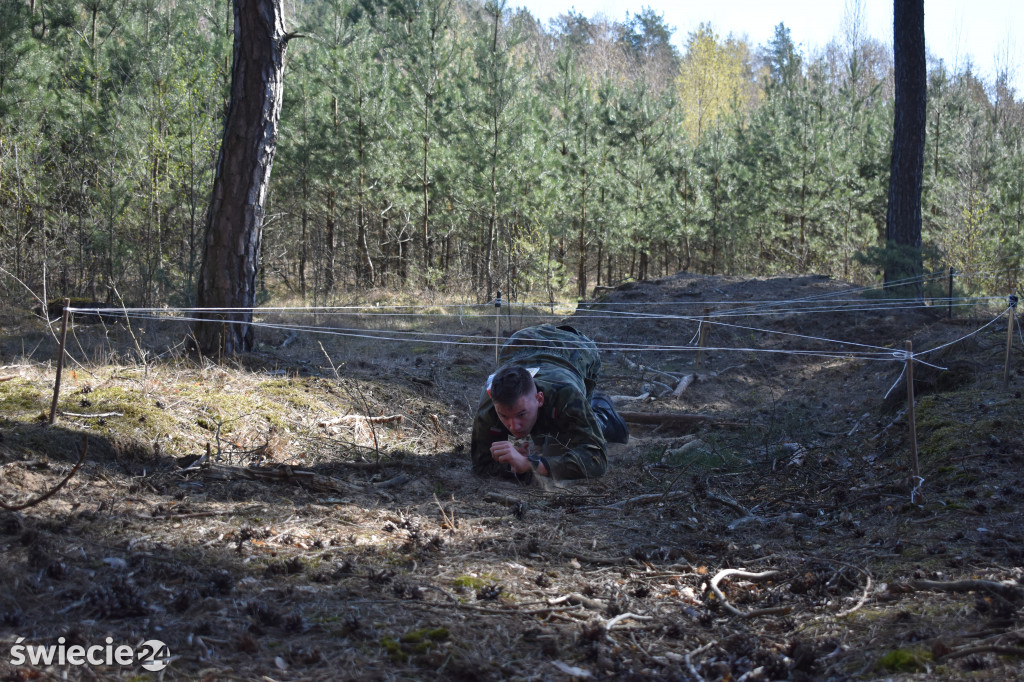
{"type": "Point", "coordinates": [577, 449]}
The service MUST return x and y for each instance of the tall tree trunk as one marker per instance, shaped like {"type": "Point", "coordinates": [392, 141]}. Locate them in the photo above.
{"type": "Point", "coordinates": [304, 221]}
{"type": "Point", "coordinates": [330, 245]}
{"type": "Point", "coordinates": [234, 228]}
{"type": "Point", "coordinates": [581, 274]}
{"type": "Point", "coordinates": [425, 182]}
{"type": "Point", "coordinates": [903, 217]}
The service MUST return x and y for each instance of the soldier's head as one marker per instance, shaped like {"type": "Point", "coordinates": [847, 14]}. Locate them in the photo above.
{"type": "Point", "coordinates": [516, 399]}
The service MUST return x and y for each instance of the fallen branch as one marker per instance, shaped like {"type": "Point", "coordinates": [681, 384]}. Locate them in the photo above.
{"type": "Point", "coordinates": [53, 491]}
{"type": "Point", "coordinates": [899, 415]}
{"type": "Point", "coordinates": [501, 498]}
{"type": "Point", "coordinates": [395, 482]}
{"type": "Point", "coordinates": [360, 418]}
{"type": "Point", "coordinates": [629, 398]}
{"type": "Point", "coordinates": [307, 479]}
{"type": "Point", "coordinates": [983, 649]}
{"type": "Point", "coordinates": [791, 517]}
{"type": "Point", "coordinates": [648, 368]}
{"type": "Point", "coordinates": [662, 385]}
{"type": "Point", "coordinates": [683, 384]}
{"type": "Point", "coordinates": [674, 419]}
{"type": "Point", "coordinates": [689, 662]}
{"type": "Point", "coordinates": [649, 497]}
{"type": "Point", "coordinates": [3, 379]}
{"type": "Point", "coordinates": [730, 572]}
{"type": "Point", "coordinates": [1009, 592]}
{"type": "Point", "coordinates": [292, 337]}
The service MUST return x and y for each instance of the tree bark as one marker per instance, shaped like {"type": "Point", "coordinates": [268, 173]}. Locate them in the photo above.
{"type": "Point", "coordinates": [903, 217]}
{"type": "Point", "coordinates": [234, 228]}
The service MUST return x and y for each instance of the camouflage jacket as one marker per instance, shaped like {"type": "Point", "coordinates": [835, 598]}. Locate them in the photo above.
{"type": "Point", "coordinates": [567, 435]}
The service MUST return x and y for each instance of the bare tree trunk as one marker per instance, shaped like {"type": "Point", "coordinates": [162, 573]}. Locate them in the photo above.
{"type": "Point", "coordinates": [234, 228]}
{"type": "Point", "coordinates": [330, 245]}
{"type": "Point", "coordinates": [903, 217]}
{"type": "Point", "coordinates": [305, 231]}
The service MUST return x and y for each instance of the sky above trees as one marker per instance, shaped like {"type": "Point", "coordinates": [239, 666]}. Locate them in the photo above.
{"type": "Point", "coordinates": [983, 31]}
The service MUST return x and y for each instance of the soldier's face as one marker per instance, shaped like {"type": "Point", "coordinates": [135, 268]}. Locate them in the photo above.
{"type": "Point", "coordinates": [520, 418]}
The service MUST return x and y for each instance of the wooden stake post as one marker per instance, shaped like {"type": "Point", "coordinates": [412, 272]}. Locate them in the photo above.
{"type": "Point", "coordinates": [1011, 314]}
{"type": "Point", "coordinates": [911, 416]}
{"type": "Point", "coordinates": [702, 339]}
{"type": "Point", "coordinates": [497, 324]}
{"type": "Point", "coordinates": [60, 360]}
{"type": "Point", "coordinates": [949, 304]}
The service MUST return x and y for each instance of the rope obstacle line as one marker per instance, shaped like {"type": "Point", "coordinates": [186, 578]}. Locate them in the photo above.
{"type": "Point", "coordinates": [854, 305]}
{"type": "Point", "coordinates": [876, 352]}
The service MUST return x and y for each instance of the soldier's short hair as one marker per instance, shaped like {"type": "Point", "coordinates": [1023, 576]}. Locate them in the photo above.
{"type": "Point", "coordinates": [510, 383]}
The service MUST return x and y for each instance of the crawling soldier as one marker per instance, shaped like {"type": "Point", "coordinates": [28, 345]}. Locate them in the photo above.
{"type": "Point", "coordinates": [539, 413]}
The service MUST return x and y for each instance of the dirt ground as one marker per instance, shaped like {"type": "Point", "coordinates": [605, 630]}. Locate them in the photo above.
{"type": "Point", "coordinates": [306, 512]}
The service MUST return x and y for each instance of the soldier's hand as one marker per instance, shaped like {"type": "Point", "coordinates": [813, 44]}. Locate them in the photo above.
{"type": "Point", "coordinates": [503, 451]}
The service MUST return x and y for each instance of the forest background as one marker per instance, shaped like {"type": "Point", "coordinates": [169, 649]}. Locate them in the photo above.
{"type": "Point", "coordinates": [460, 146]}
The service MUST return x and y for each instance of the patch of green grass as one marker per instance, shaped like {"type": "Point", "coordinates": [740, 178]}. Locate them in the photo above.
{"type": "Point", "coordinates": [904, 660]}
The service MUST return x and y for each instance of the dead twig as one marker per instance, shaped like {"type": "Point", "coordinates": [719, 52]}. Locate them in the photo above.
{"type": "Point", "coordinates": [359, 418]}
{"type": "Point", "coordinates": [99, 415]}
{"type": "Point", "coordinates": [623, 616]}
{"type": "Point", "coordinates": [577, 598]}
{"type": "Point", "coordinates": [728, 502]}
{"type": "Point", "coordinates": [53, 491]}
{"type": "Point", "coordinates": [734, 572]}
{"type": "Point", "coordinates": [864, 595]}
{"type": "Point", "coordinates": [449, 521]}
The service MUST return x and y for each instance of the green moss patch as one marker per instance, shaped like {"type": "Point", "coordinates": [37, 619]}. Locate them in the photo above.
{"type": "Point", "coordinates": [414, 643]}
{"type": "Point", "coordinates": [904, 660]}
{"type": "Point", "coordinates": [19, 397]}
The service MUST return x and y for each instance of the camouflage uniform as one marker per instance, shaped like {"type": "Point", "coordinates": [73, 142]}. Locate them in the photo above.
{"type": "Point", "coordinates": [567, 435]}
